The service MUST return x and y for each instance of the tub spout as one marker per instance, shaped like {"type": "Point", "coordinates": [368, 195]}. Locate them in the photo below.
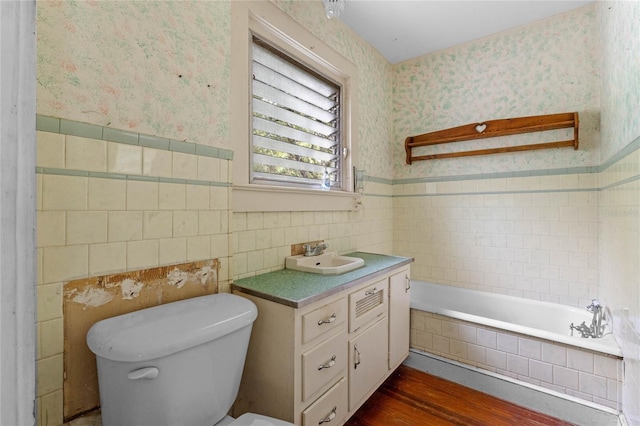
{"type": "Point", "coordinates": [596, 329]}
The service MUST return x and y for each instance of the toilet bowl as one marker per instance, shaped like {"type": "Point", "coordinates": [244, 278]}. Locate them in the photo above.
{"type": "Point", "coordinates": [175, 364]}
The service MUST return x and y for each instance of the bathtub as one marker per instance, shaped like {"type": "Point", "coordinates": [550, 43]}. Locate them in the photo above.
{"type": "Point", "coordinates": [525, 340]}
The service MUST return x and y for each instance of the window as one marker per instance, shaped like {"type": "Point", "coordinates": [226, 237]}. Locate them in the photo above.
{"type": "Point", "coordinates": [296, 136]}
{"type": "Point", "coordinates": [293, 115]}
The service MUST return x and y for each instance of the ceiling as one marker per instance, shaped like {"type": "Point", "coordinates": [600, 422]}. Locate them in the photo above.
{"type": "Point", "coordinates": [406, 29]}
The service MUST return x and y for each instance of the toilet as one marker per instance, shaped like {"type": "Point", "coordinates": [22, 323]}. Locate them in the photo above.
{"type": "Point", "coordinates": [175, 364]}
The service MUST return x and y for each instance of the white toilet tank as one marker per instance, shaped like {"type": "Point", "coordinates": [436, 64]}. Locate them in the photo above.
{"type": "Point", "coordinates": [173, 364]}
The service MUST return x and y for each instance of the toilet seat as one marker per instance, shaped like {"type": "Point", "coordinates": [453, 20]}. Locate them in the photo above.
{"type": "Point", "coordinates": [251, 419]}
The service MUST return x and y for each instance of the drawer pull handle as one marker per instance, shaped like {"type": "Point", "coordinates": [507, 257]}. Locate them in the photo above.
{"type": "Point", "coordinates": [330, 364]}
{"type": "Point", "coordinates": [357, 360]}
{"type": "Point", "coordinates": [370, 292]}
{"type": "Point", "coordinates": [331, 319]}
{"type": "Point", "coordinates": [408, 286]}
{"type": "Point", "coordinates": [330, 417]}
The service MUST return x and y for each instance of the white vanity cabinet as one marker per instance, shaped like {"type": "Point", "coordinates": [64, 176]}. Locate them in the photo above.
{"type": "Point", "coordinates": [317, 364]}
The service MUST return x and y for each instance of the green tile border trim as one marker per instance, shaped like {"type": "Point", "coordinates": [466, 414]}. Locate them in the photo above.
{"type": "Point", "coordinates": [93, 131]}
{"type": "Point", "coordinates": [118, 176]}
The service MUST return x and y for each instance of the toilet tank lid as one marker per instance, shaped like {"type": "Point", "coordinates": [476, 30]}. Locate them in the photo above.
{"type": "Point", "coordinates": [166, 329]}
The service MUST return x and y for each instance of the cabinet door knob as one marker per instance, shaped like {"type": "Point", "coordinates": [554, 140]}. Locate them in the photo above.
{"type": "Point", "coordinates": [330, 417]}
{"type": "Point", "coordinates": [331, 319]}
{"type": "Point", "coordinates": [330, 364]}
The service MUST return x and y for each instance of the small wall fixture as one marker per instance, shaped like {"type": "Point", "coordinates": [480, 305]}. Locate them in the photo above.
{"type": "Point", "coordinates": [333, 8]}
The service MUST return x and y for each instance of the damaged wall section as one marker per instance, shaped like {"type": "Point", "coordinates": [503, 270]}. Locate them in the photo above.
{"type": "Point", "coordinates": [87, 301]}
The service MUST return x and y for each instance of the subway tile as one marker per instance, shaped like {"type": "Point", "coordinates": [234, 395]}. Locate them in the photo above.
{"type": "Point", "coordinates": [255, 260]}
{"type": "Point", "coordinates": [172, 251]}
{"type": "Point", "coordinates": [198, 248]}
{"type": "Point", "coordinates": [157, 224]}
{"type": "Point", "coordinates": [171, 196]}
{"type": "Point", "coordinates": [467, 333]}
{"type": "Point", "coordinates": [220, 246]}
{"type": "Point", "coordinates": [507, 343]}
{"type": "Point", "coordinates": [50, 409]}
{"type": "Point", "coordinates": [50, 150]}
{"type": "Point", "coordinates": [49, 302]}
{"type": "Point", "coordinates": [142, 195]}
{"type": "Point", "coordinates": [65, 263]}
{"type": "Point", "coordinates": [606, 366]}
{"type": "Point", "coordinates": [441, 344]}
{"type": "Point", "coordinates": [450, 329]}
{"type": "Point", "coordinates": [580, 360]}
{"type": "Point", "coordinates": [184, 147]}
{"type": "Point", "coordinates": [50, 373]}
{"type": "Point", "coordinates": [246, 241]}
{"type": "Point", "coordinates": [487, 338]}
{"type": "Point", "coordinates": [497, 359]}
{"type": "Point", "coordinates": [64, 192]}
{"type": "Point", "coordinates": [209, 222]}
{"type": "Point", "coordinates": [124, 226]}
{"type": "Point", "coordinates": [219, 198]}
{"type": "Point", "coordinates": [142, 254]}
{"type": "Point", "coordinates": [197, 197]}
{"type": "Point", "coordinates": [107, 194]}
{"type": "Point", "coordinates": [107, 258]}
{"type": "Point", "coordinates": [87, 227]}
{"type": "Point", "coordinates": [541, 370]}
{"type": "Point", "coordinates": [51, 229]}
{"type": "Point", "coordinates": [593, 385]}
{"type": "Point", "coordinates": [51, 338]}
{"type": "Point", "coordinates": [209, 169]}
{"type": "Point", "coordinates": [85, 154]}
{"type": "Point", "coordinates": [565, 377]}
{"type": "Point", "coordinates": [207, 151]}
{"type": "Point", "coordinates": [125, 159]}
{"type": "Point", "coordinates": [185, 223]}
{"type": "Point", "coordinates": [476, 353]}
{"type": "Point", "coordinates": [529, 348]}
{"type": "Point", "coordinates": [156, 162]}
{"type": "Point", "coordinates": [517, 364]}
{"type": "Point", "coordinates": [185, 166]}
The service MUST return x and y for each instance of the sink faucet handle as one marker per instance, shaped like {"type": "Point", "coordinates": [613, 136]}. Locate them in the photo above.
{"type": "Point", "coordinates": [594, 305]}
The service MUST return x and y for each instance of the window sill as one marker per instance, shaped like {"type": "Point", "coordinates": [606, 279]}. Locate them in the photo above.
{"type": "Point", "coordinates": [262, 198]}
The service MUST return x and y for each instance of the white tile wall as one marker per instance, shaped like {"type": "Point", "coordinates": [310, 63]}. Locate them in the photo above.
{"type": "Point", "coordinates": [538, 241]}
{"type": "Point", "coordinates": [90, 226]}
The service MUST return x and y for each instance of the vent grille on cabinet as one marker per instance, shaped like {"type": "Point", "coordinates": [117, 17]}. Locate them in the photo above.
{"type": "Point", "coordinates": [369, 303]}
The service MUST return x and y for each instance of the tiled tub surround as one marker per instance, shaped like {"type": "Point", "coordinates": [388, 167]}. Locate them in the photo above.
{"type": "Point", "coordinates": [585, 374]}
{"type": "Point", "coordinates": [529, 234]}
{"type": "Point", "coordinates": [110, 201]}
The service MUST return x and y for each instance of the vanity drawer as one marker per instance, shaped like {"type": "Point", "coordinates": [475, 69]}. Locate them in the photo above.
{"type": "Point", "coordinates": [323, 319]}
{"type": "Point", "coordinates": [367, 304]}
{"type": "Point", "coordinates": [329, 409]}
{"type": "Point", "coordinates": [323, 364]}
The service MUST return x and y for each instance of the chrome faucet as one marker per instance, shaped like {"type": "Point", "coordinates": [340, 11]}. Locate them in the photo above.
{"type": "Point", "coordinates": [310, 250]}
{"type": "Point", "coordinates": [596, 329]}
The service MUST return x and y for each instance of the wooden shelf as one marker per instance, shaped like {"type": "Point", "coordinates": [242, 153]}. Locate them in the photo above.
{"type": "Point", "coordinates": [493, 129]}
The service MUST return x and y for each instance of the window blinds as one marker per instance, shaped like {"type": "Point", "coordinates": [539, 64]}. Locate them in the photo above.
{"type": "Point", "coordinates": [295, 121]}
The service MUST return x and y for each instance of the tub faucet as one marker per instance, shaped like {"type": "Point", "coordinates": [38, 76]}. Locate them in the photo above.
{"type": "Point", "coordinates": [596, 329]}
{"type": "Point", "coordinates": [310, 250]}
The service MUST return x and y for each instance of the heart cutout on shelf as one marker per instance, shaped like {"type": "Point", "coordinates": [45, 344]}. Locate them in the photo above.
{"type": "Point", "coordinates": [480, 128]}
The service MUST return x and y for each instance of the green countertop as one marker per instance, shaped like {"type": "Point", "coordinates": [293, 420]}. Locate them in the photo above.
{"type": "Point", "coordinates": [298, 289]}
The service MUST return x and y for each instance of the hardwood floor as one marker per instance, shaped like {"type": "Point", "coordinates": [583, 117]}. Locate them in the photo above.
{"type": "Point", "coordinates": [412, 398]}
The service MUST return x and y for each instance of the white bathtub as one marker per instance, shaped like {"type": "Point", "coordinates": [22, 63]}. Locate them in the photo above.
{"type": "Point", "coordinates": [544, 320]}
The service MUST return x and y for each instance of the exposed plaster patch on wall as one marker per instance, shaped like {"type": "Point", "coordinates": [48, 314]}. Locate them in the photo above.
{"type": "Point", "coordinates": [90, 297]}
{"type": "Point", "coordinates": [177, 278]}
{"type": "Point", "coordinates": [130, 289]}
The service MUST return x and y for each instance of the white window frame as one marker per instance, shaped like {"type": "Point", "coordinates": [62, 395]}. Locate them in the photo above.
{"type": "Point", "coordinates": [272, 25]}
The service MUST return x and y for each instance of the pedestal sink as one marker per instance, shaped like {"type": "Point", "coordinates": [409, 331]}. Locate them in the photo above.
{"type": "Point", "coordinates": [329, 263]}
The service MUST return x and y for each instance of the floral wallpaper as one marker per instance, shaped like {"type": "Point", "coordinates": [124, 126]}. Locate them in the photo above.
{"type": "Point", "coordinates": [620, 76]}
{"type": "Point", "coordinates": [544, 68]}
{"type": "Point", "coordinates": [159, 68]}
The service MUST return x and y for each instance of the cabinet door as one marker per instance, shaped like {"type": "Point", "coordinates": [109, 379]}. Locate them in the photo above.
{"type": "Point", "coordinates": [399, 315]}
{"type": "Point", "coordinates": [367, 361]}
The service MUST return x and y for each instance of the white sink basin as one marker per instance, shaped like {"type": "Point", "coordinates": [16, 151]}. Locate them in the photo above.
{"type": "Point", "coordinates": [329, 263]}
